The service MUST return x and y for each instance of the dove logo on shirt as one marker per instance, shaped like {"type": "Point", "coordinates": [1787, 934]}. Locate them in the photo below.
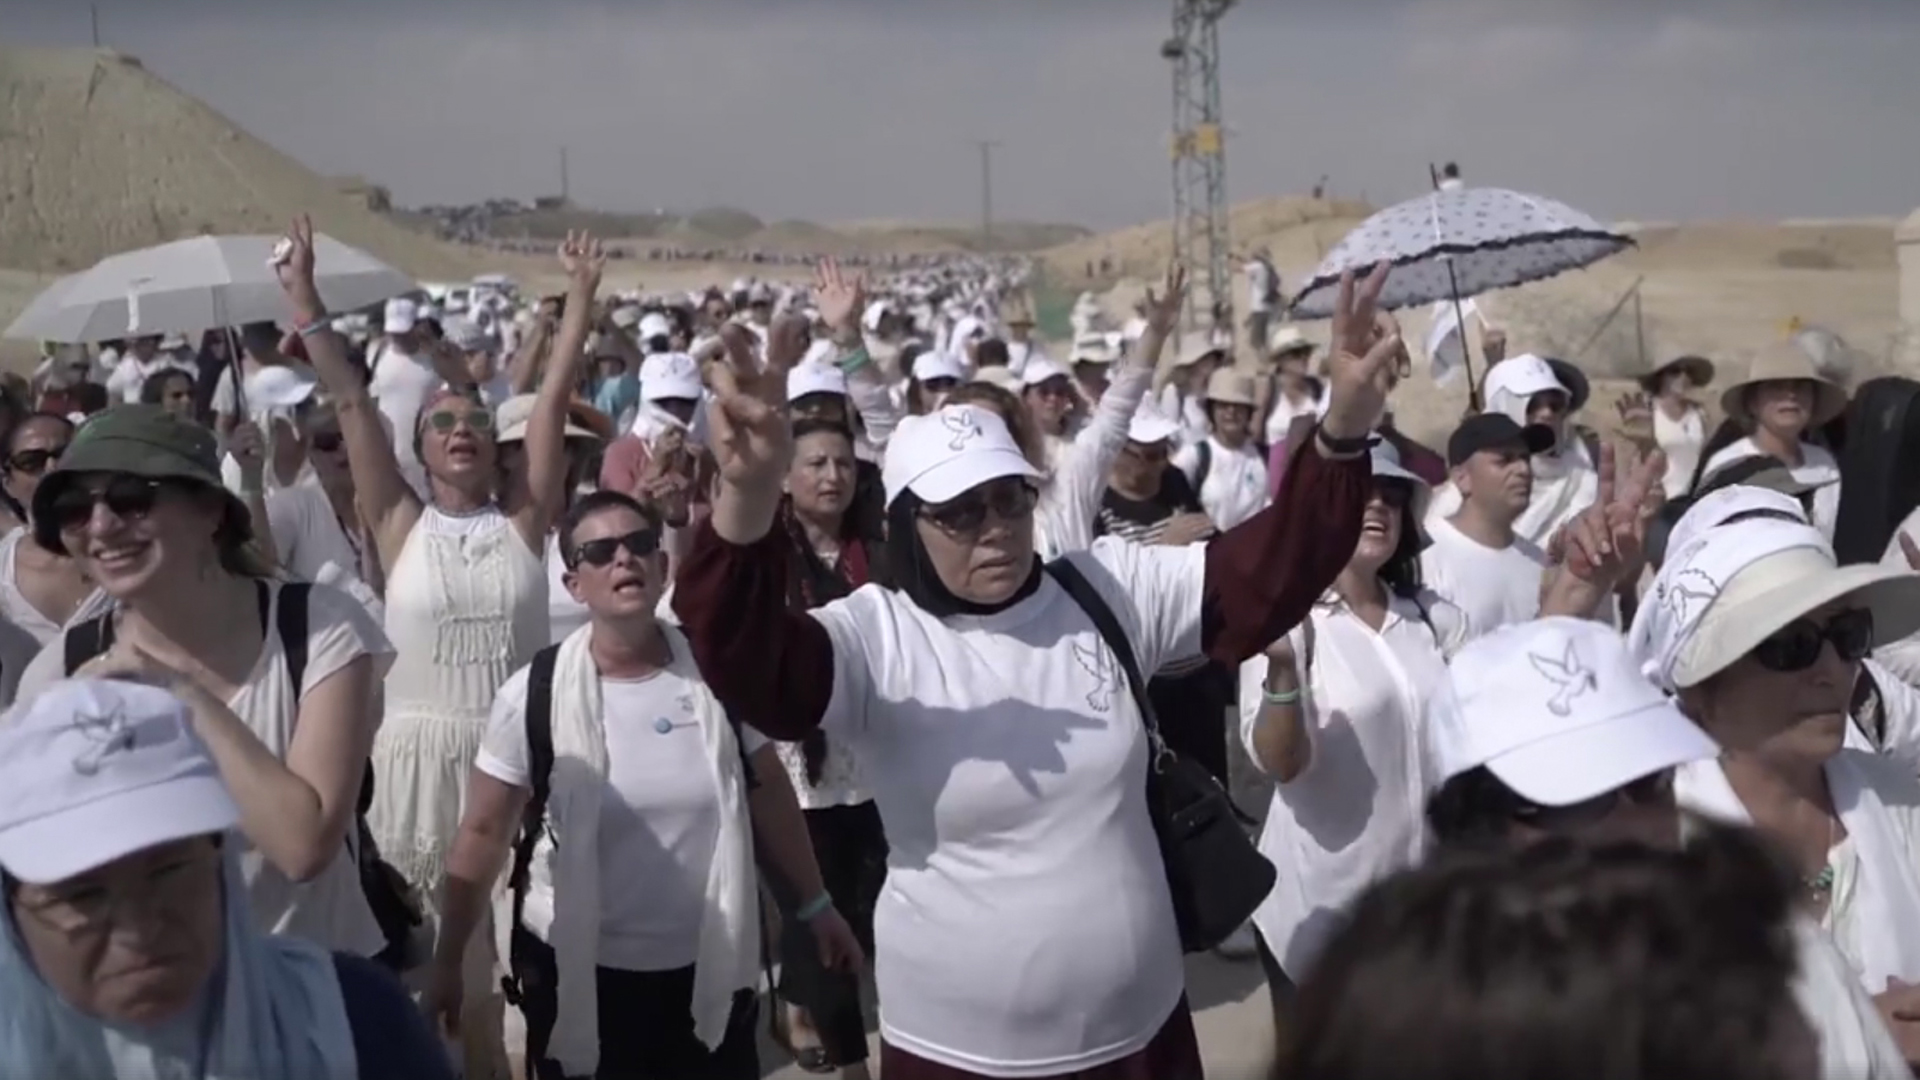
{"type": "Point", "coordinates": [1569, 676]}
{"type": "Point", "coordinates": [1098, 662]}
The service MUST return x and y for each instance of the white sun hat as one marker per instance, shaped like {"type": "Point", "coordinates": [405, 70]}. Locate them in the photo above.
{"type": "Point", "coordinates": [1150, 425]}
{"type": "Point", "coordinates": [93, 770]}
{"type": "Point", "coordinates": [1558, 710]}
{"type": "Point", "coordinates": [815, 378]}
{"type": "Point", "coordinates": [946, 452]}
{"type": "Point", "coordinates": [1733, 586]}
{"type": "Point", "coordinates": [400, 317]}
{"type": "Point", "coordinates": [670, 375]}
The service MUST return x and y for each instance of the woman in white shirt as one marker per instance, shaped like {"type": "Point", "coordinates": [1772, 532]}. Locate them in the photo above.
{"type": "Point", "coordinates": [634, 943]}
{"type": "Point", "coordinates": [1332, 714]}
{"type": "Point", "coordinates": [1781, 402]}
{"type": "Point", "coordinates": [1292, 391]}
{"type": "Point", "coordinates": [42, 590]}
{"type": "Point", "coordinates": [137, 501]}
{"type": "Point", "coordinates": [1027, 928]}
{"type": "Point", "coordinates": [1679, 423]}
{"type": "Point", "coordinates": [1762, 638]}
{"type": "Point", "coordinates": [1226, 470]}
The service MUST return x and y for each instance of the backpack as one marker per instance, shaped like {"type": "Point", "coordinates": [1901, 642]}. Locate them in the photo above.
{"type": "Point", "coordinates": [1205, 465]}
{"type": "Point", "coordinates": [395, 906]}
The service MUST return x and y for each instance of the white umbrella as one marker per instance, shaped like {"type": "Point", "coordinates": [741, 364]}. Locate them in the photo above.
{"type": "Point", "coordinates": [193, 285]}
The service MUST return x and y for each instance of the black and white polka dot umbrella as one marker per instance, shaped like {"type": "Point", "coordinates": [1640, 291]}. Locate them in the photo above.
{"type": "Point", "coordinates": [1491, 238]}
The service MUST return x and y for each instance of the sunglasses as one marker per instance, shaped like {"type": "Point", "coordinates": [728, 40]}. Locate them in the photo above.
{"type": "Point", "coordinates": [128, 497]}
{"type": "Point", "coordinates": [1796, 646]}
{"type": "Point", "coordinates": [1396, 494]}
{"type": "Point", "coordinates": [326, 441]}
{"type": "Point", "coordinates": [478, 421]}
{"type": "Point", "coordinates": [640, 543]}
{"type": "Point", "coordinates": [967, 514]}
{"type": "Point", "coordinates": [1646, 791]}
{"type": "Point", "coordinates": [34, 462]}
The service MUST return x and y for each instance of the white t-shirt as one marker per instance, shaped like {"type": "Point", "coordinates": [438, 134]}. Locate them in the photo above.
{"type": "Point", "coordinates": [131, 374]}
{"type": "Point", "coordinates": [1355, 814]}
{"type": "Point", "coordinates": [1259, 287]}
{"type": "Point", "coordinates": [659, 815]}
{"type": "Point", "coordinates": [1025, 928]}
{"type": "Point", "coordinates": [331, 910]}
{"type": "Point", "coordinates": [1283, 410]}
{"type": "Point", "coordinates": [17, 610]}
{"type": "Point", "coordinates": [400, 387]}
{"type": "Point", "coordinates": [1817, 466]}
{"type": "Point", "coordinates": [1493, 587]}
{"type": "Point", "coordinates": [307, 534]}
{"type": "Point", "coordinates": [1236, 483]}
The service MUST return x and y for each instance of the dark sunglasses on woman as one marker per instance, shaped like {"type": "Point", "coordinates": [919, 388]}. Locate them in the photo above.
{"type": "Point", "coordinates": [640, 543]}
{"type": "Point", "coordinates": [1646, 791]}
{"type": "Point", "coordinates": [34, 462]}
{"type": "Point", "coordinates": [126, 495]}
{"type": "Point", "coordinates": [967, 513]}
{"type": "Point", "coordinates": [1796, 646]}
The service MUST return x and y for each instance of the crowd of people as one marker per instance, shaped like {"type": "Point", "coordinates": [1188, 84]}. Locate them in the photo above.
{"type": "Point", "coordinates": [521, 685]}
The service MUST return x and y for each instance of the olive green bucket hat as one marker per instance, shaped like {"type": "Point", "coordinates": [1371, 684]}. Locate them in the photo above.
{"type": "Point", "coordinates": [140, 440]}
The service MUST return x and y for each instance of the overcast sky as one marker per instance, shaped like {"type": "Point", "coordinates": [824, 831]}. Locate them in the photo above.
{"type": "Point", "coordinates": [845, 109]}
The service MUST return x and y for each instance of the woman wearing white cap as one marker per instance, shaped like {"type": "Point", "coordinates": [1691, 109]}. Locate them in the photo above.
{"type": "Point", "coordinates": [1550, 729]}
{"type": "Point", "coordinates": [1026, 929]}
{"type": "Point", "coordinates": [128, 949]}
{"type": "Point", "coordinates": [1291, 392]}
{"type": "Point", "coordinates": [1762, 636]}
{"type": "Point", "coordinates": [1782, 401]}
{"type": "Point", "coordinates": [934, 376]}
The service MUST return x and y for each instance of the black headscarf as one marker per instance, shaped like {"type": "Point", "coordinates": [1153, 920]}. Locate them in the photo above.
{"type": "Point", "coordinates": [913, 572]}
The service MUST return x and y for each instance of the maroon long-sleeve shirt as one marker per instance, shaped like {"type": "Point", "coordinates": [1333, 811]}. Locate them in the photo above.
{"type": "Point", "coordinates": [772, 667]}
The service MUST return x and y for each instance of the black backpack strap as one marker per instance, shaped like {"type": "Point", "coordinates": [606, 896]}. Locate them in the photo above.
{"type": "Point", "coordinates": [84, 642]}
{"type": "Point", "coordinates": [1108, 625]}
{"type": "Point", "coordinates": [539, 771]}
{"type": "Point", "coordinates": [290, 622]}
{"type": "Point", "coordinates": [1205, 449]}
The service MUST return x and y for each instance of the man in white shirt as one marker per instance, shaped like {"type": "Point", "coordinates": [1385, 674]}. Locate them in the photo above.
{"type": "Point", "coordinates": [1476, 559]}
{"type": "Point", "coordinates": [1263, 295]}
{"type": "Point", "coordinates": [403, 374]}
{"type": "Point", "coordinates": [142, 358]}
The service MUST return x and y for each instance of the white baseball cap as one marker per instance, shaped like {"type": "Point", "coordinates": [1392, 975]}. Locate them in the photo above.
{"type": "Point", "coordinates": [1558, 710]}
{"type": "Point", "coordinates": [1150, 425]}
{"type": "Point", "coordinates": [94, 770]}
{"type": "Point", "coordinates": [279, 386]}
{"type": "Point", "coordinates": [469, 335]}
{"type": "Point", "coordinates": [815, 378]}
{"type": "Point", "coordinates": [945, 453]}
{"type": "Point", "coordinates": [401, 316]}
{"type": "Point", "coordinates": [653, 325]}
{"type": "Point", "coordinates": [670, 375]}
{"type": "Point", "coordinates": [936, 365]}
{"type": "Point", "coordinates": [1093, 349]}
{"type": "Point", "coordinates": [1039, 369]}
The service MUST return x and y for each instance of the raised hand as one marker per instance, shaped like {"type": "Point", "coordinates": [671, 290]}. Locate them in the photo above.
{"type": "Point", "coordinates": [1163, 308]}
{"type": "Point", "coordinates": [787, 342]}
{"type": "Point", "coordinates": [750, 441]}
{"type": "Point", "coordinates": [1366, 359]}
{"type": "Point", "coordinates": [1606, 543]}
{"type": "Point", "coordinates": [293, 265]}
{"type": "Point", "coordinates": [584, 260]}
{"type": "Point", "coordinates": [841, 300]}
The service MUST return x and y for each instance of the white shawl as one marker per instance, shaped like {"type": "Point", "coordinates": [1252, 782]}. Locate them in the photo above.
{"type": "Point", "coordinates": [730, 931]}
{"type": "Point", "coordinates": [1887, 925]}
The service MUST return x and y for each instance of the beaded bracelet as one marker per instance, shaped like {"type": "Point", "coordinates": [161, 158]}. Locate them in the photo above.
{"type": "Point", "coordinates": [1281, 697]}
{"type": "Point", "coordinates": [314, 327]}
{"type": "Point", "coordinates": [814, 908]}
{"type": "Point", "coordinates": [855, 360]}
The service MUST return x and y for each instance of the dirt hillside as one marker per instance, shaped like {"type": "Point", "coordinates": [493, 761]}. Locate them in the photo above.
{"type": "Point", "coordinates": [99, 155]}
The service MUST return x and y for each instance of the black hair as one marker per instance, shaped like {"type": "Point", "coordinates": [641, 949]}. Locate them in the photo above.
{"type": "Point", "coordinates": [13, 432]}
{"type": "Point", "coordinates": [1401, 571]}
{"type": "Point", "coordinates": [596, 502]}
{"type": "Point", "coordinates": [992, 352]}
{"type": "Point", "coordinates": [815, 425]}
{"type": "Point", "coordinates": [154, 389]}
{"type": "Point", "coordinates": [1472, 810]}
{"type": "Point", "coordinates": [1568, 960]}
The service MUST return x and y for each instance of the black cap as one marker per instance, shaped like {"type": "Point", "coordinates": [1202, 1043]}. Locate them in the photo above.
{"type": "Point", "coordinates": [1491, 431]}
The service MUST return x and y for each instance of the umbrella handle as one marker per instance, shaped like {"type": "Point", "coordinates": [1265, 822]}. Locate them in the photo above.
{"type": "Point", "coordinates": [238, 366]}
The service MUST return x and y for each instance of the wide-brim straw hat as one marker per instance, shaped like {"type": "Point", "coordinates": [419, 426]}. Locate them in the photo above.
{"type": "Point", "coordinates": [1784, 361]}
{"type": "Point", "coordinates": [1699, 371]}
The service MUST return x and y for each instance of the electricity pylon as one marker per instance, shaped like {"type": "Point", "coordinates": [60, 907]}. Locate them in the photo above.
{"type": "Point", "coordinates": [1199, 156]}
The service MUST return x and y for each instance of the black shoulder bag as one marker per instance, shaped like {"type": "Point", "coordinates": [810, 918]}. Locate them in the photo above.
{"type": "Point", "coordinates": [1215, 874]}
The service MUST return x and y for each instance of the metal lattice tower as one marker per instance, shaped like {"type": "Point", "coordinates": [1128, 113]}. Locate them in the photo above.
{"type": "Point", "coordinates": [1199, 157]}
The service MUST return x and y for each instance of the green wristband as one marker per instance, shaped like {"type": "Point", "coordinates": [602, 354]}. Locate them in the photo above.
{"type": "Point", "coordinates": [814, 908]}
{"type": "Point", "coordinates": [1280, 697]}
{"type": "Point", "coordinates": [855, 360]}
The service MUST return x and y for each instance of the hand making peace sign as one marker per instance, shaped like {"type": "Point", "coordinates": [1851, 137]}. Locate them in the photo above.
{"type": "Point", "coordinates": [1606, 543]}
{"type": "Point", "coordinates": [1366, 358]}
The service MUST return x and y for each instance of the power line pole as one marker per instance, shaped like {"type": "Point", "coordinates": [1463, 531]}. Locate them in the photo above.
{"type": "Point", "coordinates": [1200, 237]}
{"type": "Point", "coordinates": [566, 191]}
{"type": "Point", "coordinates": [986, 190]}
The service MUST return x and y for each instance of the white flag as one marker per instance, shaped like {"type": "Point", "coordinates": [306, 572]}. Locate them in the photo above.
{"type": "Point", "coordinates": [1446, 345]}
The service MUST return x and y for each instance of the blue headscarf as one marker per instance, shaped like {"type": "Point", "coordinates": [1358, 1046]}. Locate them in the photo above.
{"type": "Point", "coordinates": [273, 1009]}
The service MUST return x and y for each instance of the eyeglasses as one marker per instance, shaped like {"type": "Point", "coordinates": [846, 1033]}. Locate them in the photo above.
{"type": "Point", "coordinates": [127, 496]}
{"type": "Point", "coordinates": [640, 543]}
{"type": "Point", "coordinates": [478, 421]}
{"type": "Point", "coordinates": [326, 441]}
{"type": "Point", "coordinates": [172, 887]}
{"type": "Point", "coordinates": [1796, 646]}
{"type": "Point", "coordinates": [967, 514]}
{"type": "Point", "coordinates": [35, 462]}
{"type": "Point", "coordinates": [1646, 791]}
